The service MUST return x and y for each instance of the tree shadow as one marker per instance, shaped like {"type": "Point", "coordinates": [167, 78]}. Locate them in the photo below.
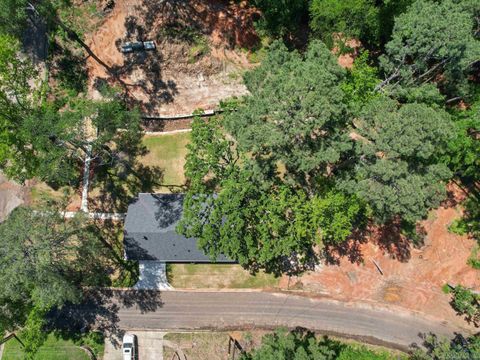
{"type": "Point", "coordinates": [69, 69]}
{"type": "Point", "coordinates": [292, 265]}
{"type": "Point", "coordinates": [390, 239]}
{"type": "Point", "coordinates": [34, 39]}
{"type": "Point", "coordinates": [169, 209]}
{"type": "Point", "coordinates": [143, 69]}
{"type": "Point", "coordinates": [351, 249]}
{"type": "Point", "coordinates": [232, 23]}
{"type": "Point", "coordinates": [117, 188]}
{"type": "Point", "coordinates": [99, 311]}
{"type": "Point", "coordinates": [435, 346]}
{"type": "Point", "coordinates": [394, 238]}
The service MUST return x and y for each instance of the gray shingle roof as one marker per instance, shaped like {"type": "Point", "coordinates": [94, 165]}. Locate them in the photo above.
{"type": "Point", "coordinates": [150, 231]}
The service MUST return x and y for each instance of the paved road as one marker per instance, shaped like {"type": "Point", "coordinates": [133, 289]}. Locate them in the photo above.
{"type": "Point", "coordinates": [181, 310]}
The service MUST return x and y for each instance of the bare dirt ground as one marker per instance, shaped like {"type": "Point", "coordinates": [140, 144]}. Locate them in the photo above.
{"type": "Point", "coordinates": [179, 76]}
{"type": "Point", "coordinates": [412, 277]}
{"type": "Point", "coordinates": [11, 196]}
{"type": "Point", "coordinates": [346, 60]}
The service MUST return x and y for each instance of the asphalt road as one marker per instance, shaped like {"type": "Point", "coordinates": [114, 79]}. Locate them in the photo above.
{"type": "Point", "coordinates": [184, 310]}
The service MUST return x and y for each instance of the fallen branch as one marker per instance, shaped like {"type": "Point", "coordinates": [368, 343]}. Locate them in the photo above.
{"type": "Point", "coordinates": [378, 267]}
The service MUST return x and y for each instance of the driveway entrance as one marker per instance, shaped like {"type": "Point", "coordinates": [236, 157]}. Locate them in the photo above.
{"type": "Point", "coordinates": [149, 346]}
{"type": "Point", "coordinates": [153, 276]}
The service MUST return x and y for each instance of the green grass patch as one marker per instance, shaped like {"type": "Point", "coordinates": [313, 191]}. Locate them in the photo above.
{"type": "Point", "coordinates": [168, 153]}
{"type": "Point", "coordinates": [53, 349]}
{"type": "Point", "coordinates": [474, 259]}
{"type": "Point", "coordinates": [199, 49]}
{"type": "Point", "coordinates": [83, 18]}
{"type": "Point", "coordinates": [217, 276]}
{"type": "Point", "coordinates": [256, 54]}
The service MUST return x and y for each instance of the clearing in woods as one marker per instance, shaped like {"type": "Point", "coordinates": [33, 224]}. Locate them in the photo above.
{"type": "Point", "coordinates": [198, 61]}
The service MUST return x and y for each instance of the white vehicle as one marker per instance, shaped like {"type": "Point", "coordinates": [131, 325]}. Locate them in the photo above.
{"type": "Point", "coordinates": [129, 349]}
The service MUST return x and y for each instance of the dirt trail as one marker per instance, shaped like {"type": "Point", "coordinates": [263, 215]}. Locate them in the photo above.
{"type": "Point", "coordinates": [412, 277]}
{"type": "Point", "coordinates": [11, 196]}
{"type": "Point", "coordinates": [177, 77]}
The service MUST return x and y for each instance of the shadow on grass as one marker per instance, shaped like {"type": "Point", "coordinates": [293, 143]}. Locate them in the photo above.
{"type": "Point", "coordinates": [117, 187]}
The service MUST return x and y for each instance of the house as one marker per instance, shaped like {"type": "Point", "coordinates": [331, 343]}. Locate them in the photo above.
{"type": "Point", "coordinates": [150, 237]}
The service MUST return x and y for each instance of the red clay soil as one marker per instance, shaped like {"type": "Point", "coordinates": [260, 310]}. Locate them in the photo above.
{"type": "Point", "coordinates": [412, 278]}
{"type": "Point", "coordinates": [173, 79]}
{"type": "Point", "coordinates": [346, 60]}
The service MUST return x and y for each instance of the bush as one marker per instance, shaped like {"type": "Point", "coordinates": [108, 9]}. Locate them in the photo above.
{"type": "Point", "coordinates": [474, 259]}
{"type": "Point", "coordinates": [467, 303]}
{"type": "Point", "coordinates": [458, 226]}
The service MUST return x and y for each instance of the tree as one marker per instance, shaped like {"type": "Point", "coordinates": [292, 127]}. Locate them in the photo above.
{"type": "Point", "coordinates": [367, 20]}
{"type": "Point", "coordinates": [231, 215]}
{"type": "Point", "coordinates": [281, 17]}
{"type": "Point", "coordinates": [462, 156]}
{"type": "Point", "coordinates": [432, 41]}
{"type": "Point", "coordinates": [13, 17]}
{"type": "Point", "coordinates": [358, 19]}
{"type": "Point", "coordinates": [445, 349]}
{"type": "Point", "coordinates": [304, 345]}
{"type": "Point", "coordinates": [44, 261]}
{"type": "Point", "coordinates": [261, 224]}
{"type": "Point", "coordinates": [360, 82]}
{"type": "Point", "coordinates": [50, 140]}
{"type": "Point", "coordinates": [17, 101]}
{"type": "Point", "coordinates": [295, 114]}
{"type": "Point", "coordinates": [467, 303]}
{"type": "Point", "coordinates": [398, 172]}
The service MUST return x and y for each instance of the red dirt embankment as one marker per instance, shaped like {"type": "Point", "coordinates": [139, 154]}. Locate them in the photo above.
{"type": "Point", "coordinates": [179, 76]}
{"type": "Point", "coordinates": [412, 277]}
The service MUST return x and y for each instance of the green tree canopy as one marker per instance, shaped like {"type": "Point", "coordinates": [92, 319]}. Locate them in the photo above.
{"type": "Point", "coordinates": [13, 17]}
{"type": "Point", "coordinates": [294, 120]}
{"type": "Point", "coordinates": [463, 151]}
{"type": "Point", "coordinates": [467, 303]}
{"type": "Point", "coordinates": [303, 159]}
{"type": "Point", "coordinates": [360, 82]}
{"type": "Point", "coordinates": [269, 225]}
{"type": "Point", "coordinates": [367, 20]}
{"type": "Point", "coordinates": [432, 41]}
{"type": "Point", "coordinates": [281, 17]}
{"type": "Point", "coordinates": [398, 171]}
{"type": "Point", "coordinates": [295, 114]}
{"type": "Point", "coordinates": [18, 98]}
{"type": "Point", "coordinates": [304, 345]}
{"type": "Point", "coordinates": [445, 349]}
{"type": "Point", "coordinates": [44, 261]}
{"type": "Point", "coordinates": [358, 19]}
{"type": "Point", "coordinates": [50, 140]}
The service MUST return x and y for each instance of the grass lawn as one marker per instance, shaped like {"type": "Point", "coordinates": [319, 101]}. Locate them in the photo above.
{"type": "Point", "coordinates": [168, 153]}
{"type": "Point", "coordinates": [217, 276]}
{"type": "Point", "coordinates": [40, 192]}
{"type": "Point", "coordinates": [53, 349]}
